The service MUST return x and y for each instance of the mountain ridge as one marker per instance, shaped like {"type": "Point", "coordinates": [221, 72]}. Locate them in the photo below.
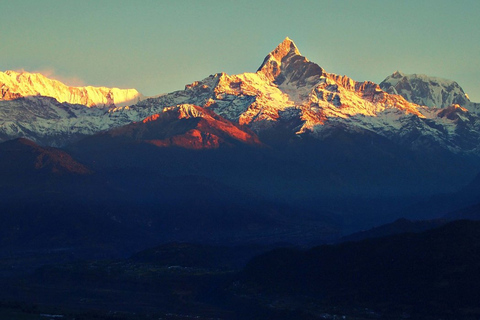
{"type": "Point", "coordinates": [15, 85]}
{"type": "Point", "coordinates": [313, 103]}
{"type": "Point", "coordinates": [24, 157]}
{"type": "Point", "coordinates": [187, 126]}
{"type": "Point", "coordinates": [287, 93]}
{"type": "Point", "coordinates": [428, 91]}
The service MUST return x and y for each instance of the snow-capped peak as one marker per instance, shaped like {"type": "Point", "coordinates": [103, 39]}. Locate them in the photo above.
{"type": "Point", "coordinates": [14, 85]}
{"type": "Point", "coordinates": [284, 49]}
{"type": "Point", "coordinates": [397, 74]}
{"type": "Point", "coordinates": [287, 87]}
{"type": "Point", "coordinates": [286, 64]}
{"type": "Point", "coordinates": [425, 90]}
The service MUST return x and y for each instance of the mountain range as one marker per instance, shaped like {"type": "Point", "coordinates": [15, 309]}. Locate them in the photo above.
{"type": "Point", "coordinates": [287, 93]}
{"type": "Point", "coordinates": [287, 153]}
{"type": "Point", "coordinates": [194, 183]}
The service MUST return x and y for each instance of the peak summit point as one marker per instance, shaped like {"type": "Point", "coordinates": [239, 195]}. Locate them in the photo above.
{"type": "Point", "coordinates": [286, 47]}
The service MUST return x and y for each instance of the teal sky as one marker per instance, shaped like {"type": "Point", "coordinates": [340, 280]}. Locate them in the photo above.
{"type": "Point", "coordinates": [159, 46]}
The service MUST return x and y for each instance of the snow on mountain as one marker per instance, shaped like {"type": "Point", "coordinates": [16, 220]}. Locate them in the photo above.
{"type": "Point", "coordinates": [290, 91]}
{"type": "Point", "coordinates": [428, 91]}
{"type": "Point", "coordinates": [49, 122]}
{"type": "Point", "coordinates": [286, 86]}
{"type": "Point", "coordinates": [287, 92]}
{"type": "Point", "coordinates": [14, 85]}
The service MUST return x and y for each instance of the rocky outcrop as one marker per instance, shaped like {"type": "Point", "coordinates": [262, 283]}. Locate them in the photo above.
{"type": "Point", "coordinates": [189, 127]}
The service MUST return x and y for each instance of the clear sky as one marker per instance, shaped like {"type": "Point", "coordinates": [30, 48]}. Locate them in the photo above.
{"type": "Point", "coordinates": [159, 46]}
